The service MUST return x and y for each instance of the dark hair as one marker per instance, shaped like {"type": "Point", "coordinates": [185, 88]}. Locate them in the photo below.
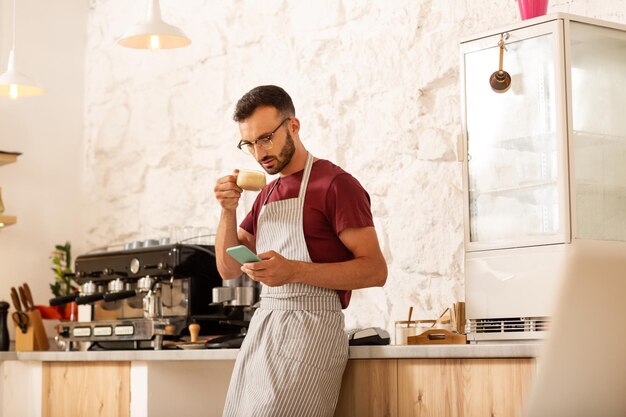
{"type": "Point", "coordinates": [264, 95]}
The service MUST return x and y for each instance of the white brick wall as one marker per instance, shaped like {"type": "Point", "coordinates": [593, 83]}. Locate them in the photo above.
{"type": "Point", "coordinates": [376, 87]}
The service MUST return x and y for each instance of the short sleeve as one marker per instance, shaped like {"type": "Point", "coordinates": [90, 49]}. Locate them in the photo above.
{"type": "Point", "coordinates": [348, 204]}
{"type": "Point", "coordinates": [248, 223]}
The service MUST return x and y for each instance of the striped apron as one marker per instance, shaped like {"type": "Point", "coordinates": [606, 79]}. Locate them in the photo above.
{"type": "Point", "coordinates": [292, 359]}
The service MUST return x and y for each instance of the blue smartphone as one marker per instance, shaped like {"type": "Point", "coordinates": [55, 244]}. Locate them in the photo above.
{"type": "Point", "coordinates": [242, 254]}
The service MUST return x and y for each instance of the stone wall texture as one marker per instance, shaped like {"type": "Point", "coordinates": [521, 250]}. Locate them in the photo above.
{"type": "Point", "coordinates": [376, 87]}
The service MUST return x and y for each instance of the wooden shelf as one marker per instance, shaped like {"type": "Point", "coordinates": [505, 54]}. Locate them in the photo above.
{"type": "Point", "coordinates": [7, 220]}
{"type": "Point", "coordinates": [7, 158]}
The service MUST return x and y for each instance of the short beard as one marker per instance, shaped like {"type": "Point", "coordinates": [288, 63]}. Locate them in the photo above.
{"type": "Point", "coordinates": [284, 157]}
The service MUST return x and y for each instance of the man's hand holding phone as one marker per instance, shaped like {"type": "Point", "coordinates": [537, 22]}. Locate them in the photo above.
{"type": "Point", "coordinates": [275, 270]}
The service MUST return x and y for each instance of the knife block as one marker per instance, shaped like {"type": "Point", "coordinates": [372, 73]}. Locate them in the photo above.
{"type": "Point", "coordinates": [35, 337]}
{"type": "Point", "coordinates": [25, 342]}
{"type": "Point", "coordinates": [41, 338]}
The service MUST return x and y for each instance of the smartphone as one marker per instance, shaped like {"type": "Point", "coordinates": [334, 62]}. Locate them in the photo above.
{"type": "Point", "coordinates": [242, 254]}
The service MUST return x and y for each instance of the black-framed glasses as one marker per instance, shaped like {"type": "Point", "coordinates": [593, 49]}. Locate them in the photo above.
{"type": "Point", "coordinates": [263, 142]}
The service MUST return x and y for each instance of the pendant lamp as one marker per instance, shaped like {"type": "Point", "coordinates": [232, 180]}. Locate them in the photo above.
{"type": "Point", "coordinates": [13, 83]}
{"type": "Point", "coordinates": [153, 33]}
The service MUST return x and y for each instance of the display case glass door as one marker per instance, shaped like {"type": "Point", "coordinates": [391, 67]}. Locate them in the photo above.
{"type": "Point", "coordinates": [515, 175]}
{"type": "Point", "coordinates": [598, 143]}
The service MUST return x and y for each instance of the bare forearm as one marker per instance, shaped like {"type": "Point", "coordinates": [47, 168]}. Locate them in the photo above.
{"type": "Point", "coordinates": [349, 275]}
{"type": "Point", "coordinates": [225, 238]}
{"type": "Point", "coordinates": [367, 269]}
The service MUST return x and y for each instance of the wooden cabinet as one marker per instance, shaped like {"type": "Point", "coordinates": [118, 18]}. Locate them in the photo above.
{"type": "Point", "coordinates": [158, 388]}
{"type": "Point", "coordinates": [430, 387]}
{"type": "Point", "coordinates": [369, 388]}
{"type": "Point", "coordinates": [495, 387]}
{"type": "Point", "coordinates": [95, 389]}
{"type": "Point", "coordinates": [435, 387]}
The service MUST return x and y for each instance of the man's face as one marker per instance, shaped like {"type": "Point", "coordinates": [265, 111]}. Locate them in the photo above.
{"type": "Point", "coordinates": [262, 122]}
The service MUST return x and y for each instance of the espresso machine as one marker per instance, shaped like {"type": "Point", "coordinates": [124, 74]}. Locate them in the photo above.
{"type": "Point", "coordinates": [139, 298]}
{"type": "Point", "coordinates": [240, 295]}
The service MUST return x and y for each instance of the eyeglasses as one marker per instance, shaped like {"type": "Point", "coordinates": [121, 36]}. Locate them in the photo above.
{"type": "Point", "coordinates": [264, 142]}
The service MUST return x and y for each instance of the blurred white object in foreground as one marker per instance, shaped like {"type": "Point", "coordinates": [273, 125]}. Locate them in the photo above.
{"type": "Point", "coordinates": [582, 370]}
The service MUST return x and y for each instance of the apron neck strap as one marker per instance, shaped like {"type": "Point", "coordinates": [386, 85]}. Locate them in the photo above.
{"type": "Point", "coordinates": [305, 177]}
{"type": "Point", "coordinates": [305, 181]}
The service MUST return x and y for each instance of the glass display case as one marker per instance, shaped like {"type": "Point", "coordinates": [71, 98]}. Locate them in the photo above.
{"type": "Point", "coordinates": [544, 162]}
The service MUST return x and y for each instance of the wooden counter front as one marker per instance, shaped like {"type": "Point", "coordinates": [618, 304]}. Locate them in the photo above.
{"type": "Point", "coordinates": [99, 389]}
{"type": "Point", "coordinates": [371, 388]}
{"type": "Point", "coordinates": [379, 381]}
{"type": "Point", "coordinates": [435, 387]}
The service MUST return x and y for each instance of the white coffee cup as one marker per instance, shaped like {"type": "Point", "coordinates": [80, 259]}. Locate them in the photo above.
{"type": "Point", "coordinates": [403, 333]}
{"type": "Point", "coordinates": [251, 180]}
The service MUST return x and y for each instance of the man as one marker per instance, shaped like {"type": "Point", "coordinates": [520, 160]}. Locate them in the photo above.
{"type": "Point", "coordinates": [313, 230]}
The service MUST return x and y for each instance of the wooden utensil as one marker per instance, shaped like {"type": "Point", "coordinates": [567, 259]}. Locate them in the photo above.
{"type": "Point", "coordinates": [460, 316]}
{"type": "Point", "coordinates": [453, 316]}
{"type": "Point", "coordinates": [408, 323]}
{"type": "Point", "coordinates": [500, 81]}
{"type": "Point", "coordinates": [173, 344]}
{"type": "Point", "coordinates": [439, 318]}
{"type": "Point", "coordinates": [194, 331]}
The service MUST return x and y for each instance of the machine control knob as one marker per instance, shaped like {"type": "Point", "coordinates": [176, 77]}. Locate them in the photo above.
{"type": "Point", "coordinates": [134, 265]}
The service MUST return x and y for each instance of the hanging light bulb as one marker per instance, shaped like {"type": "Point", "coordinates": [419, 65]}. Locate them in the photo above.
{"type": "Point", "coordinates": [153, 33]}
{"type": "Point", "coordinates": [13, 83]}
{"type": "Point", "coordinates": [155, 42]}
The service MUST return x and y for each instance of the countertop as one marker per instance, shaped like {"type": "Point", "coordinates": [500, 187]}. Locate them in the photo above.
{"type": "Point", "coordinates": [8, 356]}
{"type": "Point", "coordinates": [484, 350]}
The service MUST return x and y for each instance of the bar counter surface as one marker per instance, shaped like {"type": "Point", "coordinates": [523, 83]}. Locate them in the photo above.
{"type": "Point", "coordinates": [485, 350]}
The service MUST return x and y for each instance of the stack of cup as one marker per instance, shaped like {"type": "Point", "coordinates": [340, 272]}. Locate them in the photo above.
{"type": "Point", "coordinates": [404, 329]}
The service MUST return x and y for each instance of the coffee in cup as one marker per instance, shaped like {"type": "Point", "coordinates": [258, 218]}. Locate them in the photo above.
{"type": "Point", "coordinates": [251, 180]}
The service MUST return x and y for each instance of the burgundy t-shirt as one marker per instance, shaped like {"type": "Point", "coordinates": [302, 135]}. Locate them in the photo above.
{"type": "Point", "coordinates": [334, 201]}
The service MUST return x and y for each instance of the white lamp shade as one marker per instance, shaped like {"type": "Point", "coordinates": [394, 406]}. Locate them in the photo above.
{"type": "Point", "coordinates": [140, 37]}
{"type": "Point", "coordinates": [15, 84]}
{"type": "Point", "coordinates": [143, 35]}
